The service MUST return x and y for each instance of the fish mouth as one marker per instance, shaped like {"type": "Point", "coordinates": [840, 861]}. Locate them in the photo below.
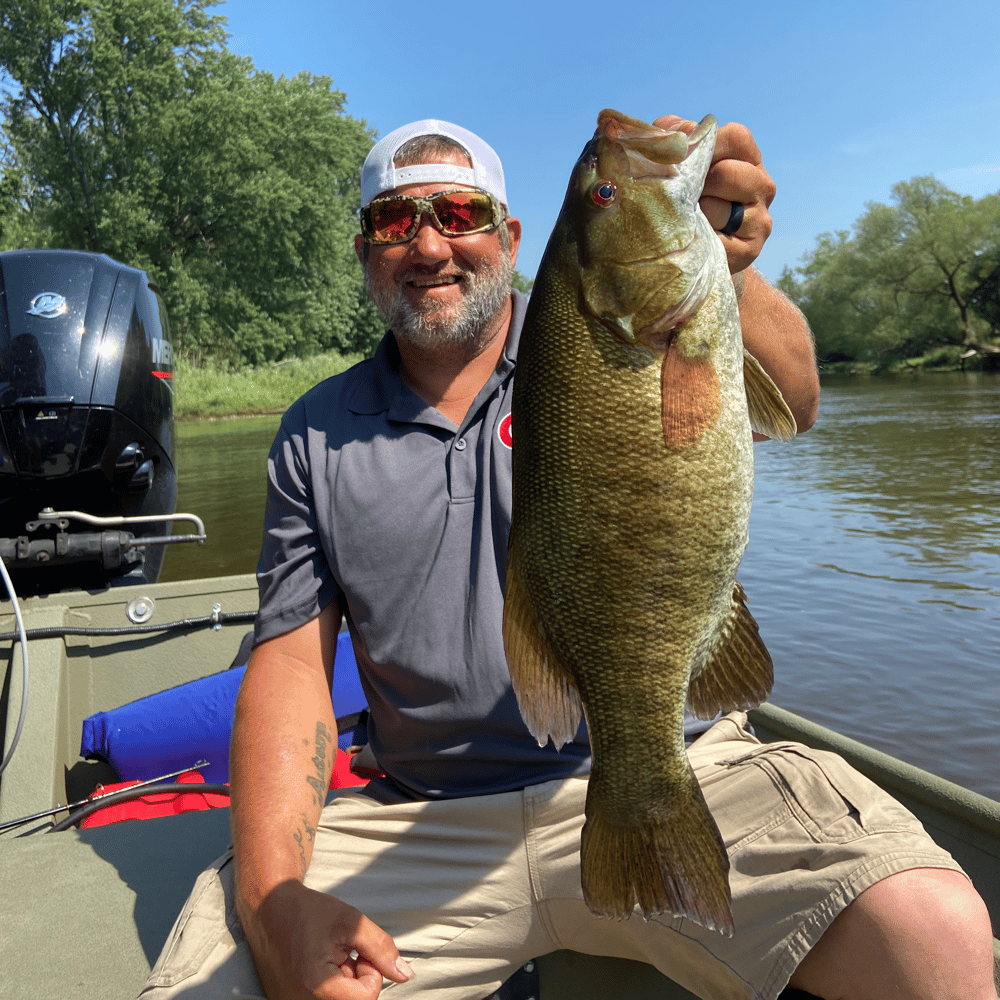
{"type": "Point", "coordinates": [660, 258]}
{"type": "Point", "coordinates": [652, 151]}
{"type": "Point", "coordinates": [649, 268]}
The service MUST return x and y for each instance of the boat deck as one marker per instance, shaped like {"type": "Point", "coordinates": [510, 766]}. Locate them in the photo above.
{"type": "Point", "coordinates": [84, 913]}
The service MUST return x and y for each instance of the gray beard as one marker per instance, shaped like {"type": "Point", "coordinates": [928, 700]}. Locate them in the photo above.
{"type": "Point", "coordinates": [487, 293]}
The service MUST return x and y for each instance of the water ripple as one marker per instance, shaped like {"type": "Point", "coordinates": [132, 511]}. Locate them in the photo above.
{"type": "Point", "coordinates": [874, 569]}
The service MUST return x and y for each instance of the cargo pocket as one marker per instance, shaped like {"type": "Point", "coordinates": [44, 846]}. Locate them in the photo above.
{"type": "Point", "coordinates": [208, 918]}
{"type": "Point", "coordinates": [833, 802]}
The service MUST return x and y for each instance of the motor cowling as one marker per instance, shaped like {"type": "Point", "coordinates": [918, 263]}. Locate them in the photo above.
{"type": "Point", "coordinates": [86, 419]}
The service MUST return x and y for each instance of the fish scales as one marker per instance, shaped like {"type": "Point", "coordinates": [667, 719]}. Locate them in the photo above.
{"type": "Point", "coordinates": [632, 483]}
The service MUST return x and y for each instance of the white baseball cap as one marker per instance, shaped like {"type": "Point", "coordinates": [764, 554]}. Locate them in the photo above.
{"type": "Point", "coordinates": [379, 174]}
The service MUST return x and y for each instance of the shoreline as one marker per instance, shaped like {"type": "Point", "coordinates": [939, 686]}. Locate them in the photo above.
{"type": "Point", "coordinates": [220, 392]}
{"type": "Point", "coordinates": [214, 393]}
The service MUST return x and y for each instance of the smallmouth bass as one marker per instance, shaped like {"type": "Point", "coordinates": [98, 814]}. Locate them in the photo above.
{"type": "Point", "coordinates": [632, 417]}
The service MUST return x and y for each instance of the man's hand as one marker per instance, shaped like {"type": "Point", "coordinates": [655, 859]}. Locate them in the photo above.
{"type": "Point", "coordinates": [310, 946]}
{"type": "Point", "coordinates": [736, 175]}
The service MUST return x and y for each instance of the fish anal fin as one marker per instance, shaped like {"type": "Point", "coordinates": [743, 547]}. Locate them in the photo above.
{"type": "Point", "coordinates": [546, 692]}
{"type": "Point", "coordinates": [671, 860]}
{"type": "Point", "coordinates": [737, 673]}
{"type": "Point", "coordinates": [769, 413]}
{"type": "Point", "coordinates": [691, 397]}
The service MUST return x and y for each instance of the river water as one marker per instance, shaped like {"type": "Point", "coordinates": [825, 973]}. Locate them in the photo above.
{"type": "Point", "coordinates": [873, 567]}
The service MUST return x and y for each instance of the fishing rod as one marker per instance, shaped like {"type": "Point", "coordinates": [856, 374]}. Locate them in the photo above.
{"type": "Point", "coordinates": [11, 823]}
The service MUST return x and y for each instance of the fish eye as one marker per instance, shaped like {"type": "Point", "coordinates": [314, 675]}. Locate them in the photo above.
{"type": "Point", "coordinates": [603, 193]}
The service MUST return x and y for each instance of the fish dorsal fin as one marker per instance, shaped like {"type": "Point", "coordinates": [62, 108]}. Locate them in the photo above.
{"type": "Point", "coordinates": [547, 694]}
{"type": "Point", "coordinates": [769, 413]}
{"type": "Point", "coordinates": [737, 673]}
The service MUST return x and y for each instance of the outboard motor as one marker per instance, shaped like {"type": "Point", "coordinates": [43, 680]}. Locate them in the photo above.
{"type": "Point", "coordinates": [86, 422]}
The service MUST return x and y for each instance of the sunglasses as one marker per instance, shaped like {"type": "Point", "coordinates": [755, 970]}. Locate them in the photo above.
{"type": "Point", "coordinates": [460, 212]}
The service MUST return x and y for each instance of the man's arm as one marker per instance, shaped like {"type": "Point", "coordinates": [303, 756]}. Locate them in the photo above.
{"type": "Point", "coordinates": [282, 752]}
{"type": "Point", "coordinates": [774, 331]}
{"type": "Point", "coordinates": [777, 335]}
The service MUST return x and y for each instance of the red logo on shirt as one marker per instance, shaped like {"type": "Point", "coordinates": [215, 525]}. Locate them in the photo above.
{"type": "Point", "coordinates": [504, 432]}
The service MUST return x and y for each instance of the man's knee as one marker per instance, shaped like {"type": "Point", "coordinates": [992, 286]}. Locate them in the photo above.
{"type": "Point", "coordinates": [924, 932]}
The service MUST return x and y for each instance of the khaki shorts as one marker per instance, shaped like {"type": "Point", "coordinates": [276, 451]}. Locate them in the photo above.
{"type": "Point", "coordinates": [471, 889]}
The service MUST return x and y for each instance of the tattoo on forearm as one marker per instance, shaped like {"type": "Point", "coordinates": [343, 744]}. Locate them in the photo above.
{"type": "Point", "coordinates": [318, 781]}
{"type": "Point", "coordinates": [306, 832]}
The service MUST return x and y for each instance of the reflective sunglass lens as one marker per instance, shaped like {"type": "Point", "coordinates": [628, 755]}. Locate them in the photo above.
{"type": "Point", "coordinates": [463, 213]}
{"type": "Point", "coordinates": [391, 221]}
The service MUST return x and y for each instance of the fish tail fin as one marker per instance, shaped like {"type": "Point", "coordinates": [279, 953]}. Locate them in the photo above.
{"type": "Point", "coordinates": [547, 694]}
{"type": "Point", "coordinates": [671, 861]}
{"type": "Point", "coordinates": [737, 673]}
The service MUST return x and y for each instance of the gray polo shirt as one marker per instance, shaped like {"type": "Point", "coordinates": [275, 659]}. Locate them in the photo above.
{"type": "Point", "coordinates": [375, 498]}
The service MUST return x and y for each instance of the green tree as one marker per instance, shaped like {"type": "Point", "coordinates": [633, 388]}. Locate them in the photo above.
{"type": "Point", "coordinates": [834, 293]}
{"type": "Point", "coordinates": [10, 208]}
{"type": "Point", "coordinates": [521, 283]}
{"type": "Point", "coordinates": [914, 276]}
{"type": "Point", "coordinates": [23, 209]}
{"type": "Point", "coordinates": [985, 295]}
{"type": "Point", "coordinates": [141, 136]}
{"type": "Point", "coordinates": [926, 249]}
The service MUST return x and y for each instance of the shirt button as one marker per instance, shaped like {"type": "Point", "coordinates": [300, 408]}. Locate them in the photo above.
{"type": "Point", "coordinates": [460, 444]}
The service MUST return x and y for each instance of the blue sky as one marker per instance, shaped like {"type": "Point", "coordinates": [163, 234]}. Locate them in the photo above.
{"type": "Point", "coordinates": [845, 98]}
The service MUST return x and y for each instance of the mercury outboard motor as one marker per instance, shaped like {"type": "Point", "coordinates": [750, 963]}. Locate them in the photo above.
{"type": "Point", "coordinates": [86, 421]}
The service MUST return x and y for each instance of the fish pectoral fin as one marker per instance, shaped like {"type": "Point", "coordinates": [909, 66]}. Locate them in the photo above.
{"type": "Point", "coordinates": [738, 673]}
{"type": "Point", "coordinates": [546, 692]}
{"type": "Point", "coordinates": [769, 413]}
{"type": "Point", "coordinates": [691, 398]}
{"type": "Point", "coordinates": [670, 859]}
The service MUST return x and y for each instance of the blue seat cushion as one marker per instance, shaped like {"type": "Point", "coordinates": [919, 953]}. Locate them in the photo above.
{"type": "Point", "coordinates": [174, 729]}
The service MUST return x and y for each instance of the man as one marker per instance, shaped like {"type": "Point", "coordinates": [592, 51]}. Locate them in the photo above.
{"type": "Point", "coordinates": [389, 502]}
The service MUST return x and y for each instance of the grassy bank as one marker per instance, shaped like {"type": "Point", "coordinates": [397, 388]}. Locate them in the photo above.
{"type": "Point", "coordinates": [218, 391]}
